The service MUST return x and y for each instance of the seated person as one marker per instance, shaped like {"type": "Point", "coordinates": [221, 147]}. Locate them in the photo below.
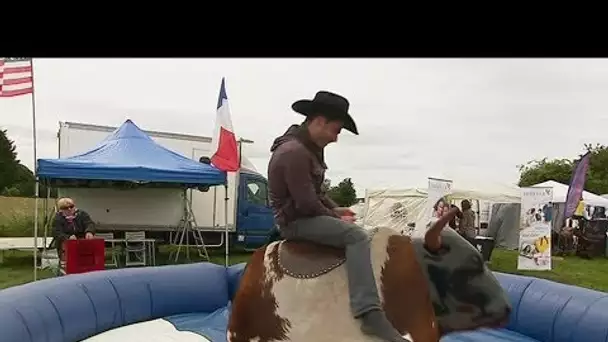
{"type": "Point", "coordinates": [567, 238]}
{"type": "Point", "coordinates": [71, 223]}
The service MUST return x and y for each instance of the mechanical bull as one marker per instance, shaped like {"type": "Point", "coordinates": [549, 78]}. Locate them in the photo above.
{"type": "Point", "coordinates": [298, 291]}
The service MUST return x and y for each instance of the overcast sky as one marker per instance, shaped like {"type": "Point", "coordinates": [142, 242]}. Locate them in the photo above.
{"type": "Point", "coordinates": [473, 118]}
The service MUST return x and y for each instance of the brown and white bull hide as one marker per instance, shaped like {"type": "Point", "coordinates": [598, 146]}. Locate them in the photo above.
{"type": "Point", "coordinates": [273, 306]}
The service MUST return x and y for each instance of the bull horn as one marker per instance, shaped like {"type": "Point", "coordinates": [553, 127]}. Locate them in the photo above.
{"type": "Point", "coordinates": [432, 238]}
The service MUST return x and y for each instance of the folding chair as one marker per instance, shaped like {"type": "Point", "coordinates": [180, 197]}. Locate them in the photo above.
{"type": "Point", "coordinates": [111, 251]}
{"type": "Point", "coordinates": [135, 245]}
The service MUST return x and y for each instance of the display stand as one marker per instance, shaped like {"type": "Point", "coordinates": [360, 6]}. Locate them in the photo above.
{"type": "Point", "coordinates": [188, 224]}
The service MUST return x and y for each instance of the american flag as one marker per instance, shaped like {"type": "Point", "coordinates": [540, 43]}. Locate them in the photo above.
{"type": "Point", "coordinates": [15, 76]}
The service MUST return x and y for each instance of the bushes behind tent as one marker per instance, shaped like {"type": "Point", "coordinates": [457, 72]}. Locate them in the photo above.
{"type": "Point", "coordinates": [17, 216]}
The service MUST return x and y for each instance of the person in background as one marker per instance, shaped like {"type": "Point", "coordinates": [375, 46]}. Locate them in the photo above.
{"type": "Point", "coordinates": [566, 240]}
{"type": "Point", "coordinates": [579, 213]}
{"type": "Point", "coordinates": [453, 224]}
{"type": "Point", "coordinates": [589, 212]}
{"type": "Point", "coordinates": [71, 223]}
{"type": "Point", "coordinates": [467, 222]}
{"type": "Point", "coordinates": [548, 211]}
{"type": "Point", "coordinates": [599, 213]}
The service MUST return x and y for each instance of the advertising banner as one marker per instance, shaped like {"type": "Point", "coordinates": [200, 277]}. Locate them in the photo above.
{"type": "Point", "coordinates": [535, 229]}
{"type": "Point", "coordinates": [437, 203]}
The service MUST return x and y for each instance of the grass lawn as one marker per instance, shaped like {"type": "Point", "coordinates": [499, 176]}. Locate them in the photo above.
{"type": "Point", "coordinates": [17, 267]}
{"type": "Point", "coordinates": [571, 270]}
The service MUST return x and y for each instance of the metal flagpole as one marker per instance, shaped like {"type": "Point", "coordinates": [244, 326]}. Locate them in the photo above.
{"type": "Point", "coordinates": [240, 153]}
{"type": "Point", "coordinates": [37, 186]}
{"type": "Point", "coordinates": [227, 252]}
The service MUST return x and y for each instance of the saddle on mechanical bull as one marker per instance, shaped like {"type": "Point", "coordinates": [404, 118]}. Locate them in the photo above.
{"type": "Point", "coordinates": [298, 291]}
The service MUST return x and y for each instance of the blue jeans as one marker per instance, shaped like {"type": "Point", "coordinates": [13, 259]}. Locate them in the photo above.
{"type": "Point", "coordinates": [334, 232]}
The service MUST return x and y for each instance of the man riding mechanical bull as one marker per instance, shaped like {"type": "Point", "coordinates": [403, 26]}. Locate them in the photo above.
{"type": "Point", "coordinates": [294, 289]}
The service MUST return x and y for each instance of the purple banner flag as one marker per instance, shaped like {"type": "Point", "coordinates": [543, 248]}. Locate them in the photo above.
{"type": "Point", "coordinates": [577, 183]}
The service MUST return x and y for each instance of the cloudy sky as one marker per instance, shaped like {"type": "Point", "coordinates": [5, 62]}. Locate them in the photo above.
{"type": "Point", "coordinates": [473, 118]}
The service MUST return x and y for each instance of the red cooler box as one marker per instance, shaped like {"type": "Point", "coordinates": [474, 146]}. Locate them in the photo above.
{"type": "Point", "coordinates": [83, 256]}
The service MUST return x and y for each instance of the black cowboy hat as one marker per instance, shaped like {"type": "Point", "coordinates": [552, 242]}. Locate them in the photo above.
{"type": "Point", "coordinates": [329, 105]}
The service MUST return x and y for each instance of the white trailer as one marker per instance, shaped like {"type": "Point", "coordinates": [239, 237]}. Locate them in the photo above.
{"type": "Point", "coordinates": [147, 208]}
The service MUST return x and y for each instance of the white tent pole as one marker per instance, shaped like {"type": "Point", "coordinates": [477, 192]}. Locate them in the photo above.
{"type": "Point", "coordinates": [46, 213]}
{"type": "Point", "coordinates": [36, 231]}
{"type": "Point", "coordinates": [226, 223]}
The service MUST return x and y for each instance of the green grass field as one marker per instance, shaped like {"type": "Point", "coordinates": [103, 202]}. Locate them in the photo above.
{"type": "Point", "coordinates": [568, 270]}
{"type": "Point", "coordinates": [17, 267]}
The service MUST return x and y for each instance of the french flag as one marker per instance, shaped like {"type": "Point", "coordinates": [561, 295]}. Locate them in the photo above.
{"type": "Point", "coordinates": [223, 144]}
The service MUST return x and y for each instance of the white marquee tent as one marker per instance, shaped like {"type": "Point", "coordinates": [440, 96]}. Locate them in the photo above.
{"type": "Point", "coordinates": [560, 192]}
{"type": "Point", "coordinates": [400, 208]}
{"type": "Point", "coordinates": [505, 217]}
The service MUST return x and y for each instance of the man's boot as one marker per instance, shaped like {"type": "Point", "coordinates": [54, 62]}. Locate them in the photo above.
{"type": "Point", "coordinates": [375, 323]}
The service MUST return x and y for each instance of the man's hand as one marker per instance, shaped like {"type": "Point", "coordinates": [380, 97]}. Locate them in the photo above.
{"type": "Point", "coordinates": [88, 235]}
{"type": "Point", "coordinates": [343, 211]}
{"type": "Point", "coordinates": [72, 237]}
{"type": "Point", "coordinates": [348, 218]}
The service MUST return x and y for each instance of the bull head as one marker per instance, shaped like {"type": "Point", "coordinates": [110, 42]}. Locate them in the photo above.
{"type": "Point", "coordinates": [464, 292]}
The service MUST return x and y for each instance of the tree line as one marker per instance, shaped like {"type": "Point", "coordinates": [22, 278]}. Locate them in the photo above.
{"type": "Point", "coordinates": [16, 179]}
{"type": "Point", "coordinates": [344, 194]}
{"type": "Point", "coordinates": [560, 170]}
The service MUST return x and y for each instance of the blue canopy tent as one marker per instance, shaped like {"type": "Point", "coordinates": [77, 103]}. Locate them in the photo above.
{"type": "Point", "coordinates": [129, 154]}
